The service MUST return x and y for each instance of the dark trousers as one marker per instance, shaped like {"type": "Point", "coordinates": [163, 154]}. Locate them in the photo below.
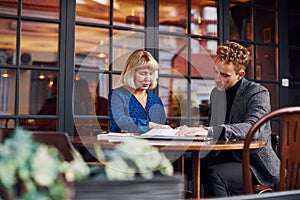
{"type": "Point", "coordinates": [221, 175]}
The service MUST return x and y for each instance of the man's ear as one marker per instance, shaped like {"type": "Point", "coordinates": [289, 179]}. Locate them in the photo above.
{"type": "Point", "coordinates": [241, 74]}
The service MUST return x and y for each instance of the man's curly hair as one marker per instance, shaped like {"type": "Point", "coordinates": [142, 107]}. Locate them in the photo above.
{"type": "Point", "coordinates": [232, 52]}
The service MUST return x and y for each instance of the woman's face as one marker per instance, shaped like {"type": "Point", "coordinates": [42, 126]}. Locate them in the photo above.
{"type": "Point", "coordinates": [143, 78]}
{"type": "Point", "coordinates": [226, 75]}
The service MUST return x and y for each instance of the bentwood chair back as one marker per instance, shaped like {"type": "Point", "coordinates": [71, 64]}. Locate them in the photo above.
{"type": "Point", "coordinates": [289, 148]}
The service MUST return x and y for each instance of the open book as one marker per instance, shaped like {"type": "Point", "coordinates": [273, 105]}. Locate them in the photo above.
{"type": "Point", "coordinates": [169, 134]}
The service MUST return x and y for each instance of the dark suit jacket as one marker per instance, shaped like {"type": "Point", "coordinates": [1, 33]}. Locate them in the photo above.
{"type": "Point", "coordinates": [251, 102]}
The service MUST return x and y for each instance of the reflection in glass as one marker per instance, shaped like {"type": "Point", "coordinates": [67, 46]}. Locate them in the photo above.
{"type": "Point", "coordinates": [250, 68]}
{"type": "Point", "coordinates": [294, 30]}
{"type": "Point", "coordinates": [173, 92]}
{"type": "Point", "coordinates": [268, 3]}
{"type": "Point", "coordinates": [294, 95]}
{"type": "Point", "coordinates": [204, 18]}
{"type": "Point", "coordinates": [124, 42]}
{"type": "Point", "coordinates": [241, 25]}
{"type": "Point", "coordinates": [202, 52]}
{"type": "Point", "coordinates": [7, 41]}
{"type": "Point", "coordinates": [39, 44]}
{"type": "Point", "coordinates": [129, 13]}
{"type": "Point", "coordinates": [273, 90]}
{"type": "Point", "coordinates": [7, 125]}
{"type": "Point", "coordinates": [266, 63]}
{"type": "Point", "coordinates": [41, 9]}
{"type": "Point", "coordinates": [38, 92]}
{"type": "Point", "coordinates": [266, 26]}
{"type": "Point", "coordinates": [91, 48]}
{"type": "Point", "coordinates": [7, 91]}
{"type": "Point", "coordinates": [173, 58]}
{"type": "Point", "coordinates": [10, 8]}
{"type": "Point", "coordinates": [172, 16]}
{"type": "Point", "coordinates": [93, 11]}
{"type": "Point", "coordinates": [294, 68]}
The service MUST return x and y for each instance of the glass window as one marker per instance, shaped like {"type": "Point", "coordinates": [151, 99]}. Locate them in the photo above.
{"type": "Point", "coordinates": [173, 16]}
{"type": "Point", "coordinates": [173, 55]}
{"type": "Point", "coordinates": [266, 26]}
{"type": "Point", "coordinates": [173, 92]}
{"type": "Point", "coordinates": [7, 41]}
{"type": "Point", "coordinates": [268, 3]}
{"type": "Point", "coordinates": [241, 24]}
{"type": "Point", "coordinates": [38, 92]}
{"type": "Point", "coordinates": [294, 30]}
{"type": "Point", "coordinates": [39, 44]}
{"type": "Point", "coordinates": [9, 7]}
{"type": "Point", "coordinates": [266, 63]}
{"type": "Point", "coordinates": [7, 91]}
{"type": "Point", "coordinates": [93, 11]}
{"type": "Point", "coordinates": [41, 9]}
{"type": "Point", "coordinates": [91, 48]}
{"type": "Point", "coordinates": [294, 65]}
{"type": "Point", "coordinates": [202, 52]}
{"type": "Point", "coordinates": [274, 92]}
{"type": "Point", "coordinates": [124, 42]}
{"type": "Point", "coordinates": [129, 13]}
{"type": "Point", "coordinates": [204, 18]}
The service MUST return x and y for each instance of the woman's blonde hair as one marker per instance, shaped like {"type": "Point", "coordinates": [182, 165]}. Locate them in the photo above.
{"type": "Point", "coordinates": [137, 60]}
{"type": "Point", "coordinates": [232, 52]}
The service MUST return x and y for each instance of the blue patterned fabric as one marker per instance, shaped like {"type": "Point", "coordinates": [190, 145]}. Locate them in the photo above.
{"type": "Point", "coordinates": [128, 115]}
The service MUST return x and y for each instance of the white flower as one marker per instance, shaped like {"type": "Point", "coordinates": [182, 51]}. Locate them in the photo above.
{"type": "Point", "coordinates": [118, 169]}
{"type": "Point", "coordinates": [45, 167]}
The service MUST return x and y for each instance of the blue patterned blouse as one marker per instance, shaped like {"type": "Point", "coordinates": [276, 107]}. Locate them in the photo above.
{"type": "Point", "coordinates": [128, 115]}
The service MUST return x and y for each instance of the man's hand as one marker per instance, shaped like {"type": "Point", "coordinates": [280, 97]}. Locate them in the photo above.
{"type": "Point", "coordinates": [192, 131]}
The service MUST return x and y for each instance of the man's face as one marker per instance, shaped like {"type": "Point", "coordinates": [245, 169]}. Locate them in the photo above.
{"type": "Point", "coordinates": [226, 76]}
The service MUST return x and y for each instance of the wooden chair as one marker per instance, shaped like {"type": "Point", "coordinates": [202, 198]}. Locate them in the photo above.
{"type": "Point", "coordinates": [289, 148]}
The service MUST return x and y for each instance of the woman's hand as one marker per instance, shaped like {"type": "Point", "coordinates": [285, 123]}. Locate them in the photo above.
{"type": "Point", "coordinates": [192, 131]}
{"type": "Point", "coordinates": [158, 126]}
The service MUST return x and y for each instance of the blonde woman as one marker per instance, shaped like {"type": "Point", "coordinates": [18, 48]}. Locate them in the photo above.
{"type": "Point", "coordinates": [132, 106]}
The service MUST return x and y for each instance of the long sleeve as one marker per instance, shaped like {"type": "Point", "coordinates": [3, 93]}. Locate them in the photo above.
{"type": "Point", "coordinates": [128, 115]}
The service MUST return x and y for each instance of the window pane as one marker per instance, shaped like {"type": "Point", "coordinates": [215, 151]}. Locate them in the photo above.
{"type": "Point", "coordinates": [204, 18]}
{"type": "Point", "coordinates": [93, 11]}
{"type": "Point", "coordinates": [202, 52]}
{"type": "Point", "coordinates": [38, 92]}
{"type": "Point", "coordinates": [7, 41]}
{"type": "Point", "coordinates": [241, 26]}
{"type": "Point", "coordinates": [294, 66]}
{"type": "Point", "coordinates": [129, 13]}
{"type": "Point", "coordinates": [266, 65]}
{"type": "Point", "coordinates": [41, 9]}
{"type": "Point", "coordinates": [40, 124]}
{"type": "Point", "coordinates": [293, 6]}
{"type": "Point", "coordinates": [91, 48]}
{"type": "Point", "coordinates": [200, 96]}
{"type": "Point", "coordinates": [173, 92]}
{"type": "Point", "coordinates": [268, 3]}
{"type": "Point", "coordinates": [294, 95]}
{"type": "Point", "coordinates": [266, 26]}
{"type": "Point", "coordinates": [9, 7]}
{"type": "Point", "coordinates": [273, 89]}
{"type": "Point", "coordinates": [173, 16]}
{"type": "Point", "coordinates": [294, 30]}
{"type": "Point", "coordinates": [7, 125]}
{"type": "Point", "coordinates": [173, 55]}
{"type": "Point", "coordinates": [7, 91]}
{"type": "Point", "coordinates": [124, 42]}
{"type": "Point", "coordinates": [250, 68]}
{"type": "Point", "coordinates": [39, 44]}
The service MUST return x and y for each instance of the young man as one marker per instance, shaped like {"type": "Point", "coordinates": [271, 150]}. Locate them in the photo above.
{"type": "Point", "coordinates": [236, 104]}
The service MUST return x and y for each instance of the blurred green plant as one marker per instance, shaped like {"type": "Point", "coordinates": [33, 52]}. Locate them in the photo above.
{"type": "Point", "coordinates": [134, 158]}
{"type": "Point", "coordinates": [32, 170]}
